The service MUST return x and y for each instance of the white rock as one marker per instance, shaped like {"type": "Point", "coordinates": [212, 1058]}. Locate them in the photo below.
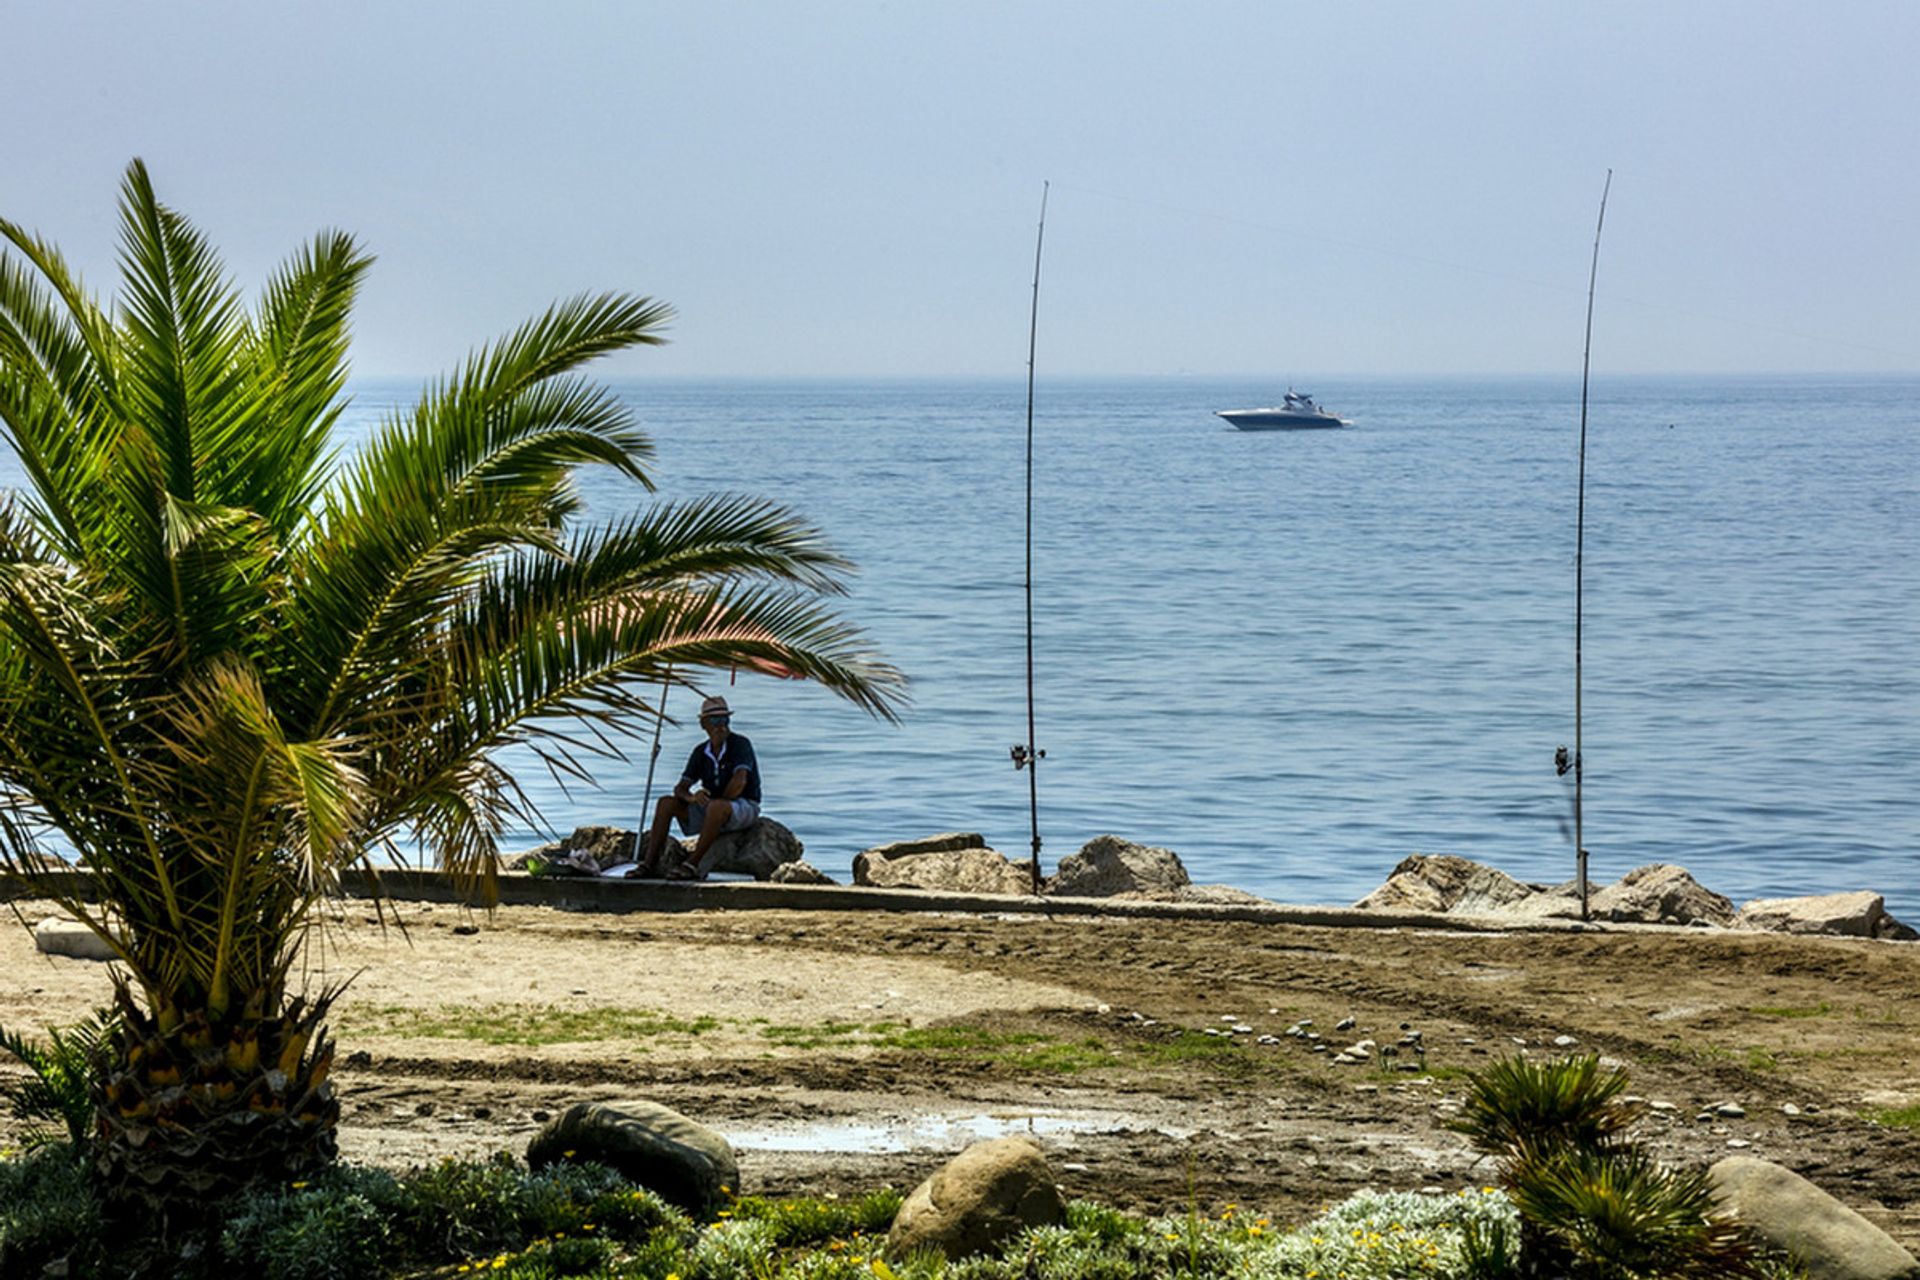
{"type": "Point", "coordinates": [1788, 1109]}
{"type": "Point", "coordinates": [1564, 1042]}
{"type": "Point", "coordinates": [1344, 1023]}
{"type": "Point", "coordinates": [1731, 1110]}
{"type": "Point", "coordinates": [1738, 1144]}
{"type": "Point", "coordinates": [59, 936]}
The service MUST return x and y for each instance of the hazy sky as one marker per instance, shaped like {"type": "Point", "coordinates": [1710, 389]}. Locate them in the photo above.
{"type": "Point", "coordinates": [1269, 188]}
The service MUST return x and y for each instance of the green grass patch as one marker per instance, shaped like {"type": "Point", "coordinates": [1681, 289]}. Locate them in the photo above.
{"type": "Point", "coordinates": [955, 1037]}
{"type": "Point", "coordinates": [1189, 1047]}
{"type": "Point", "coordinates": [1820, 1010]}
{"type": "Point", "coordinates": [1753, 1058]}
{"type": "Point", "coordinates": [526, 1024]}
{"type": "Point", "coordinates": [1895, 1117]}
{"type": "Point", "coordinates": [815, 1036]}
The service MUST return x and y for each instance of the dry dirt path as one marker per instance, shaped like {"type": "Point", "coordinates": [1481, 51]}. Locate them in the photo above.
{"type": "Point", "coordinates": [842, 1051]}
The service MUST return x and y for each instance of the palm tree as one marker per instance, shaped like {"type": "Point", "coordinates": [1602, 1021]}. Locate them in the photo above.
{"type": "Point", "coordinates": [234, 660]}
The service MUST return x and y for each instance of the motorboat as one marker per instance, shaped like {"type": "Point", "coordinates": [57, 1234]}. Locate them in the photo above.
{"type": "Point", "coordinates": [1296, 411]}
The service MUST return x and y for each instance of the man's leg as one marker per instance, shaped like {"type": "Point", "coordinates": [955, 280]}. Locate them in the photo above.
{"type": "Point", "coordinates": [652, 852]}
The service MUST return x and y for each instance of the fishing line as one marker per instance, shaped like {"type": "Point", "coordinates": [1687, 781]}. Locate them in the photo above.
{"type": "Point", "coordinates": [1026, 755]}
{"type": "Point", "coordinates": [1579, 558]}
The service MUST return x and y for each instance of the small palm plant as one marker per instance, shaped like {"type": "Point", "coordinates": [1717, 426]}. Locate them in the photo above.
{"type": "Point", "coordinates": [234, 661]}
{"type": "Point", "coordinates": [60, 1087]}
{"type": "Point", "coordinates": [1593, 1204]}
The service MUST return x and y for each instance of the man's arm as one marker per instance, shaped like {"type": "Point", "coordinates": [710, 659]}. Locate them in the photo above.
{"type": "Point", "coordinates": [736, 784]}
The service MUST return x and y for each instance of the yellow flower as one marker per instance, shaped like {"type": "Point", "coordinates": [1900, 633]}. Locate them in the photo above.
{"type": "Point", "coordinates": [566, 1155]}
{"type": "Point", "coordinates": [299, 1186]}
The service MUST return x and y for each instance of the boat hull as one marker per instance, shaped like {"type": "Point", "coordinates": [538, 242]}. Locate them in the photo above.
{"type": "Point", "coordinates": [1279, 419]}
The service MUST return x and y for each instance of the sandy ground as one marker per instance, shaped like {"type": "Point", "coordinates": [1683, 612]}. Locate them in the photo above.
{"type": "Point", "coordinates": [844, 1051]}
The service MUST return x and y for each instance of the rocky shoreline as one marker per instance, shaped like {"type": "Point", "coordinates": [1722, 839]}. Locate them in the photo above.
{"type": "Point", "coordinates": [1111, 867]}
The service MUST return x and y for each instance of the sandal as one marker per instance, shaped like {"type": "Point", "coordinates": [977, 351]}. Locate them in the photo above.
{"type": "Point", "coordinates": [685, 871]}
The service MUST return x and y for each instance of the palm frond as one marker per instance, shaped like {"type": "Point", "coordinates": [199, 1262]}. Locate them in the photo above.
{"type": "Point", "coordinates": [55, 384]}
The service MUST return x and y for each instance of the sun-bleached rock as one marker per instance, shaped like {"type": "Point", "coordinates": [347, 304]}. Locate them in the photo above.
{"type": "Point", "coordinates": [59, 936]}
{"type": "Point", "coordinates": [1445, 883]}
{"type": "Point", "coordinates": [1661, 893]}
{"type": "Point", "coordinates": [973, 869]}
{"type": "Point", "coordinates": [1862, 914]}
{"type": "Point", "coordinates": [1108, 866]}
{"type": "Point", "coordinates": [1830, 1240]}
{"type": "Point", "coordinates": [985, 1196]}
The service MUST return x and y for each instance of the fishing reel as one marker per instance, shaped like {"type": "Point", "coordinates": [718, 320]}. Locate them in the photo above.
{"type": "Point", "coordinates": [1022, 757]}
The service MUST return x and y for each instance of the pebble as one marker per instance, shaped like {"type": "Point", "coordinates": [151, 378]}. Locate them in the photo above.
{"type": "Point", "coordinates": [1268, 1040]}
{"type": "Point", "coordinates": [1242, 1029]}
{"type": "Point", "coordinates": [1318, 1048]}
{"type": "Point", "coordinates": [1731, 1110]}
{"type": "Point", "coordinates": [1468, 1040]}
{"type": "Point", "coordinates": [466, 930]}
{"type": "Point", "coordinates": [1103, 1008]}
{"type": "Point", "coordinates": [1738, 1143]}
{"type": "Point", "coordinates": [1564, 1042]}
{"type": "Point", "coordinates": [1073, 1168]}
{"type": "Point", "coordinates": [1788, 1109]}
{"type": "Point", "coordinates": [1659, 1104]}
{"type": "Point", "coordinates": [1517, 1040]}
{"type": "Point", "coordinates": [1229, 1017]}
{"type": "Point", "coordinates": [1344, 1024]}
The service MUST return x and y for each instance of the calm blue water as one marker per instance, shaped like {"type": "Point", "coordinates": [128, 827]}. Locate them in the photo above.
{"type": "Point", "coordinates": [1295, 658]}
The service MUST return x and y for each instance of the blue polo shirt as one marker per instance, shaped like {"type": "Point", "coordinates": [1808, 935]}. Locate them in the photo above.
{"type": "Point", "coordinates": [706, 769]}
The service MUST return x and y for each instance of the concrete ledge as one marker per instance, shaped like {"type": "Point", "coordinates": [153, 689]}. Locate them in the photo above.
{"type": "Point", "coordinates": [619, 896]}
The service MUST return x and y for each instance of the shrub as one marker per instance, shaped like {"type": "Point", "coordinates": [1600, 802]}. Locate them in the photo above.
{"type": "Point", "coordinates": [341, 1223]}
{"type": "Point", "coordinates": [49, 1214]}
{"type": "Point", "coordinates": [1592, 1203]}
{"type": "Point", "coordinates": [1516, 1104]}
{"type": "Point", "coordinates": [812, 1220]}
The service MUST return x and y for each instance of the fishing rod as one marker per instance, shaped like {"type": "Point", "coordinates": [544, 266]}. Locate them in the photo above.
{"type": "Point", "coordinates": [646, 801]}
{"type": "Point", "coordinates": [1026, 755]}
{"type": "Point", "coordinates": [1579, 564]}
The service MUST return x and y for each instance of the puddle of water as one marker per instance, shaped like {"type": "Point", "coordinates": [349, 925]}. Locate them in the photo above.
{"type": "Point", "coordinates": [936, 1132]}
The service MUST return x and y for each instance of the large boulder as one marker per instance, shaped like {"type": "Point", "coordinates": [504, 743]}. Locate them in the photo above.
{"type": "Point", "coordinates": [1441, 883]}
{"type": "Point", "coordinates": [1108, 866]}
{"type": "Point", "coordinates": [950, 842]}
{"type": "Point", "coordinates": [757, 851]}
{"type": "Point", "coordinates": [1830, 1240]}
{"type": "Point", "coordinates": [985, 1196]}
{"type": "Point", "coordinates": [681, 1161]}
{"type": "Point", "coordinates": [979, 870]}
{"type": "Point", "coordinates": [59, 936]}
{"type": "Point", "coordinates": [1862, 914]}
{"type": "Point", "coordinates": [1660, 893]}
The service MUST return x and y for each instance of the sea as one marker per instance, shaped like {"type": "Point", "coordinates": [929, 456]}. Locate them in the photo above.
{"type": "Point", "coordinates": [1296, 658]}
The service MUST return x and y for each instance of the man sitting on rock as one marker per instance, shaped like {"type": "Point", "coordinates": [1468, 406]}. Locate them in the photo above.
{"type": "Point", "coordinates": [719, 791]}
